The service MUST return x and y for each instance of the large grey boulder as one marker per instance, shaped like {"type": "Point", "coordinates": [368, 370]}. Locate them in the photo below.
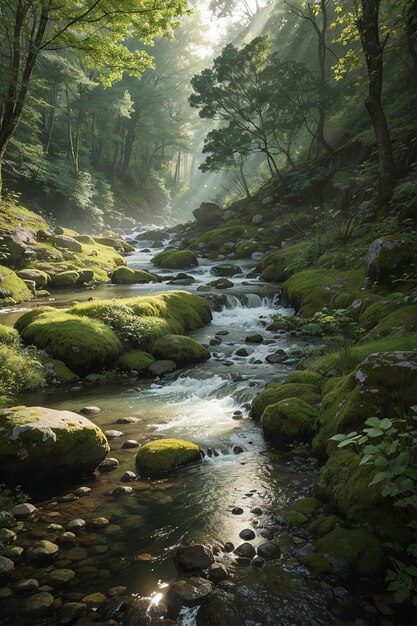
{"type": "Point", "coordinates": [387, 258]}
{"type": "Point", "coordinates": [66, 242]}
{"type": "Point", "coordinates": [208, 214]}
{"type": "Point", "coordinates": [41, 443]}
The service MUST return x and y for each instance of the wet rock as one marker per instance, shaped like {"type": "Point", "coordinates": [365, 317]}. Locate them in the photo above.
{"type": "Point", "coordinates": [257, 219]}
{"type": "Point", "coordinates": [72, 611]}
{"type": "Point", "coordinates": [237, 510]}
{"type": "Point", "coordinates": [226, 270]}
{"type": "Point", "coordinates": [266, 533]}
{"type": "Point", "coordinates": [237, 450]}
{"type": "Point", "coordinates": [128, 420]}
{"type": "Point", "coordinates": [161, 367]}
{"type": "Point", "coordinates": [76, 524]}
{"type": "Point", "coordinates": [77, 554]}
{"type": "Point", "coordinates": [37, 605]}
{"type": "Point", "coordinates": [7, 536]}
{"type": "Point", "coordinates": [215, 341]}
{"type": "Point", "coordinates": [187, 592]}
{"type": "Point", "coordinates": [23, 510]}
{"type": "Point", "coordinates": [6, 567]}
{"type": "Point", "coordinates": [122, 491]}
{"type": "Point", "coordinates": [246, 550]}
{"type": "Point", "coordinates": [256, 511]}
{"type": "Point", "coordinates": [93, 600]}
{"type": "Point", "coordinates": [258, 561]}
{"type": "Point", "coordinates": [128, 477]}
{"type": "Point", "coordinates": [82, 491]}
{"type": "Point", "coordinates": [242, 352]}
{"type": "Point", "coordinates": [60, 577]}
{"type": "Point", "coordinates": [42, 551]}
{"type": "Point", "coordinates": [221, 283]}
{"type": "Point", "coordinates": [220, 608]}
{"type": "Point", "coordinates": [247, 534]}
{"type": "Point", "coordinates": [277, 357]}
{"type": "Point", "coordinates": [113, 434]}
{"type": "Point", "coordinates": [195, 557]}
{"type": "Point", "coordinates": [69, 497]}
{"type": "Point", "coordinates": [67, 537]}
{"type": "Point", "coordinates": [13, 552]}
{"type": "Point", "coordinates": [5, 592]}
{"type": "Point", "coordinates": [217, 572]}
{"type": "Point", "coordinates": [108, 465]}
{"type": "Point", "coordinates": [229, 547]}
{"type": "Point", "coordinates": [98, 522]}
{"type": "Point", "coordinates": [130, 443]}
{"type": "Point", "coordinates": [255, 338]}
{"type": "Point", "coordinates": [269, 551]}
{"type": "Point", "coordinates": [90, 410]}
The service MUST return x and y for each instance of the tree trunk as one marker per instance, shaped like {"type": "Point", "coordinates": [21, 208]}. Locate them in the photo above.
{"type": "Point", "coordinates": [410, 20]}
{"type": "Point", "coordinates": [129, 142]}
{"type": "Point", "coordinates": [368, 26]}
{"type": "Point", "coordinates": [322, 50]}
{"type": "Point", "coordinates": [244, 181]}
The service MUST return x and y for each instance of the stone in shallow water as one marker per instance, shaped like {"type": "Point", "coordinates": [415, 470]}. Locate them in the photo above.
{"type": "Point", "coordinates": [217, 572]}
{"type": "Point", "coordinates": [237, 510]}
{"type": "Point", "coordinates": [122, 491]}
{"type": "Point", "coordinates": [77, 554]}
{"type": "Point", "coordinates": [246, 550]}
{"type": "Point", "coordinates": [90, 410]}
{"type": "Point", "coordinates": [76, 524]}
{"type": "Point", "coordinates": [247, 534]}
{"type": "Point", "coordinates": [113, 434]}
{"type": "Point", "coordinates": [258, 561]}
{"type": "Point", "coordinates": [128, 477]}
{"type": "Point", "coordinates": [67, 537]}
{"type": "Point", "coordinates": [108, 465]}
{"type": "Point", "coordinates": [94, 599]}
{"type": "Point", "coordinates": [37, 605]}
{"type": "Point", "coordinates": [195, 557]}
{"type": "Point", "coordinates": [228, 546]}
{"type": "Point", "coordinates": [130, 443]}
{"type": "Point", "coordinates": [60, 577]}
{"type": "Point", "coordinates": [72, 610]}
{"type": "Point", "coordinates": [42, 551]}
{"type": "Point", "coordinates": [128, 420]}
{"type": "Point", "coordinates": [98, 522]}
{"type": "Point", "coordinates": [23, 510]}
{"type": "Point", "coordinates": [269, 551]}
{"type": "Point", "coordinates": [82, 491]}
{"type": "Point", "coordinates": [27, 586]}
{"type": "Point", "coordinates": [7, 536]}
{"type": "Point", "coordinates": [187, 592]}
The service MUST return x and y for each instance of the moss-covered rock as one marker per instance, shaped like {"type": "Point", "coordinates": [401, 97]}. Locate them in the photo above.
{"type": "Point", "coordinates": [175, 259]}
{"type": "Point", "coordinates": [118, 244]}
{"type": "Point", "coordinates": [388, 258]}
{"type": "Point", "coordinates": [308, 377]}
{"type": "Point", "coordinates": [66, 242]}
{"type": "Point", "coordinates": [54, 369]}
{"type": "Point", "coordinates": [289, 420]}
{"type": "Point", "coordinates": [275, 392]}
{"type": "Point", "coordinates": [164, 455]}
{"type": "Point", "coordinates": [324, 524]}
{"type": "Point", "coordinates": [83, 344]}
{"type": "Point", "coordinates": [355, 551]}
{"type": "Point", "coordinates": [402, 321]}
{"type": "Point", "coordinates": [294, 518]}
{"type": "Point", "coordinates": [182, 350]}
{"type": "Point", "coordinates": [12, 286]}
{"type": "Point", "coordinates": [65, 279]}
{"type": "Point", "coordinates": [41, 279]}
{"type": "Point", "coordinates": [317, 562]}
{"type": "Point", "coordinates": [208, 214]}
{"type": "Point", "coordinates": [372, 389]}
{"type": "Point", "coordinates": [42, 443]}
{"type": "Point", "coordinates": [221, 283]}
{"type": "Point", "coordinates": [127, 276]}
{"type": "Point", "coordinates": [283, 263]}
{"type": "Point", "coordinates": [311, 290]}
{"type": "Point", "coordinates": [306, 506]}
{"type": "Point", "coordinates": [137, 360]}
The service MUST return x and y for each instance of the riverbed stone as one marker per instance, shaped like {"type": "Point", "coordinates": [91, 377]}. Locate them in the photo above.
{"type": "Point", "coordinates": [127, 420]}
{"type": "Point", "coordinates": [93, 600]}
{"type": "Point", "coordinates": [7, 536]}
{"type": "Point", "coordinates": [113, 434]}
{"type": "Point", "coordinates": [162, 367]}
{"type": "Point", "coordinates": [37, 605]}
{"type": "Point", "coordinates": [98, 522]}
{"type": "Point", "coordinates": [187, 592]}
{"type": "Point", "coordinates": [258, 561]}
{"type": "Point", "coordinates": [247, 534]}
{"type": "Point", "coordinates": [245, 550]}
{"type": "Point", "coordinates": [254, 338]}
{"type": "Point", "coordinates": [82, 491]}
{"type": "Point", "coordinates": [90, 410]}
{"type": "Point", "coordinates": [163, 455]}
{"type": "Point", "coordinates": [43, 550]}
{"type": "Point", "coordinates": [217, 572]}
{"type": "Point", "coordinates": [13, 552]}
{"type": "Point", "coordinates": [72, 611]}
{"type": "Point", "coordinates": [23, 510]}
{"type": "Point", "coordinates": [108, 465]}
{"type": "Point", "coordinates": [67, 537]}
{"type": "Point", "coordinates": [193, 558]}
{"type": "Point", "coordinates": [269, 551]}
{"type": "Point", "coordinates": [237, 510]}
{"type": "Point", "coordinates": [76, 524]}
{"type": "Point", "coordinates": [221, 608]}
{"type": "Point", "coordinates": [26, 586]}
{"type": "Point", "coordinates": [59, 577]}
{"type": "Point", "coordinates": [77, 554]}
{"type": "Point", "coordinates": [6, 567]}
{"type": "Point", "coordinates": [129, 444]}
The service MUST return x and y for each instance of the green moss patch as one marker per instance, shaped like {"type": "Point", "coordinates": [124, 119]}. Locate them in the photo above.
{"type": "Point", "coordinates": [8, 336]}
{"type": "Point", "coordinates": [126, 276]}
{"type": "Point", "coordinates": [164, 455]}
{"type": "Point", "coordinates": [283, 263]}
{"type": "Point", "coordinates": [182, 350]}
{"type": "Point", "coordinates": [402, 321]}
{"type": "Point", "coordinates": [275, 392]}
{"type": "Point", "coordinates": [308, 377]}
{"type": "Point", "coordinates": [19, 372]}
{"type": "Point", "coordinates": [175, 259]}
{"type": "Point", "coordinates": [289, 420]}
{"type": "Point", "coordinates": [14, 286]}
{"type": "Point", "coordinates": [137, 360]}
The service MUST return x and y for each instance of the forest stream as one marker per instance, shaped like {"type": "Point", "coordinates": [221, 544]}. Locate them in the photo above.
{"type": "Point", "coordinates": [242, 483]}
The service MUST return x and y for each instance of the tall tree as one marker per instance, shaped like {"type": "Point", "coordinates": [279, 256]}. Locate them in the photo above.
{"type": "Point", "coordinates": [96, 28]}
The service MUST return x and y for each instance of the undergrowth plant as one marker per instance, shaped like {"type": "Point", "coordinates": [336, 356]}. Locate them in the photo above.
{"type": "Point", "coordinates": [390, 446]}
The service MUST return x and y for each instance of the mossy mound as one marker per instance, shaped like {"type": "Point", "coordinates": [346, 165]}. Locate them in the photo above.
{"type": "Point", "coordinates": [308, 377]}
{"type": "Point", "coordinates": [164, 455]}
{"type": "Point", "coordinates": [324, 524]}
{"type": "Point", "coordinates": [41, 279]}
{"type": "Point", "coordinates": [137, 360]}
{"type": "Point", "coordinates": [311, 290]}
{"type": "Point", "coordinates": [13, 287]}
{"type": "Point", "coordinates": [388, 258]}
{"type": "Point", "coordinates": [42, 443]}
{"type": "Point", "coordinates": [275, 392]}
{"type": "Point", "coordinates": [175, 259]}
{"type": "Point", "coordinates": [294, 518]}
{"type": "Point", "coordinates": [215, 238]}
{"type": "Point", "coordinates": [19, 372]}
{"type": "Point", "coordinates": [83, 344]}
{"type": "Point", "coordinates": [355, 551]}
{"type": "Point", "coordinates": [55, 369]}
{"type": "Point", "coordinates": [112, 242]}
{"type": "Point", "coordinates": [400, 322]}
{"type": "Point", "coordinates": [306, 506]}
{"type": "Point", "coordinates": [376, 312]}
{"type": "Point", "coordinates": [65, 279]}
{"type": "Point", "coordinates": [182, 350]}
{"type": "Point", "coordinates": [8, 336]}
{"type": "Point", "coordinates": [373, 388]}
{"type": "Point", "coordinates": [281, 264]}
{"type": "Point", "coordinates": [289, 420]}
{"type": "Point", "coordinates": [28, 317]}
{"type": "Point", "coordinates": [126, 276]}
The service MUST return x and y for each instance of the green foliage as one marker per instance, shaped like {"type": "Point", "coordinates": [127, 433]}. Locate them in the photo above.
{"type": "Point", "coordinates": [19, 372]}
{"type": "Point", "coordinates": [8, 336]}
{"type": "Point", "coordinates": [389, 446]}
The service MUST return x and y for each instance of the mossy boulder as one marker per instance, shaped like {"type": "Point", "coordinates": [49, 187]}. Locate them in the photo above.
{"type": "Point", "coordinates": [308, 377]}
{"type": "Point", "coordinates": [324, 524]}
{"type": "Point", "coordinates": [182, 350]}
{"type": "Point", "coordinates": [289, 420]}
{"type": "Point", "coordinates": [311, 290]}
{"type": "Point", "coordinates": [175, 259]}
{"type": "Point", "coordinates": [41, 443]}
{"type": "Point", "coordinates": [164, 455]}
{"type": "Point", "coordinates": [275, 392]}
{"type": "Point", "coordinates": [84, 345]}
{"type": "Point", "coordinates": [118, 244]}
{"type": "Point", "coordinates": [41, 279]}
{"type": "Point", "coordinates": [68, 278]}
{"type": "Point", "coordinates": [355, 551]}
{"type": "Point", "coordinates": [137, 360]}
{"type": "Point", "coordinates": [400, 322]}
{"type": "Point", "coordinates": [127, 276]}
{"type": "Point", "coordinates": [388, 258]}
{"type": "Point", "coordinates": [66, 242]}
{"type": "Point", "coordinates": [11, 286]}
{"type": "Point", "coordinates": [306, 506]}
{"type": "Point", "coordinates": [208, 214]}
{"type": "Point", "coordinates": [283, 263]}
{"type": "Point", "coordinates": [294, 518]}
{"type": "Point", "coordinates": [55, 370]}
{"type": "Point", "coordinates": [372, 389]}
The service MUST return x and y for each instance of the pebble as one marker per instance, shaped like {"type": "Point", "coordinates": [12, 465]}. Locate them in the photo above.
{"type": "Point", "coordinates": [94, 599]}
{"type": "Point", "coordinates": [82, 491]}
{"type": "Point", "coordinates": [55, 527]}
{"type": "Point", "coordinates": [77, 554]}
{"type": "Point", "coordinates": [98, 522]}
{"type": "Point", "coordinates": [23, 510]}
{"type": "Point", "coordinates": [229, 547]}
{"type": "Point", "coordinates": [127, 420]}
{"type": "Point", "coordinates": [67, 537]}
{"type": "Point", "coordinates": [238, 450]}
{"type": "Point", "coordinates": [121, 491]}
{"type": "Point", "coordinates": [128, 477]}
{"type": "Point", "coordinates": [116, 591]}
{"type": "Point", "coordinates": [90, 410]}
{"type": "Point", "coordinates": [76, 524]}
{"type": "Point", "coordinates": [113, 434]}
{"type": "Point", "coordinates": [256, 511]}
{"type": "Point", "coordinates": [13, 552]}
{"type": "Point", "coordinates": [42, 550]}
{"type": "Point", "coordinates": [38, 605]}
{"type": "Point", "coordinates": [298, 540]}
{"type": "Point", "coordinates": [30, 585]}
{"type": "Point", "coordinates": [130, 443]}
{"type": "Point", "coordinates": [247, 534]}
{"type": "Point", "coordinates": [60, 577]}
{"type": "Point", "coordinates": [108, 465]}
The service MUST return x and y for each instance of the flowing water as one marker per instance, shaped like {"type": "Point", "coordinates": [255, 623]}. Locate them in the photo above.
{"type": "Point", "coordinates": [195, 504]}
